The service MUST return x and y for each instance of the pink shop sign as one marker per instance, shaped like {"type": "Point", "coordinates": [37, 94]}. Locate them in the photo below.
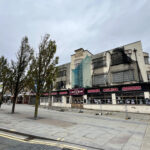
{"type": "Point", "coordinates": [63, 93]}
{"type": "Point", "coordinates": [79, 91]}
{"type": "Point", "coordinates": [131, 88]}
{"type": "Point", "coordinates": [93, 91]}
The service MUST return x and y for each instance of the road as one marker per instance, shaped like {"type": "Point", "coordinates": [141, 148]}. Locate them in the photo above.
{"type": "Point", "coordinates": [11, 142]}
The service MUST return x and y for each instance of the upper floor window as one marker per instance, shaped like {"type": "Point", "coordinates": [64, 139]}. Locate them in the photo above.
{"type": "Point", "coordinates": [123, 76]}
{"type": "Point", "coordinates": [61, 85]}
{"type": "Point", "coordinates": [100, 79]}
{"type": "Point", "coordinates": [61, 73]}
{"type": "Point", "coordinates": [146, 59]}
{"type": "Point", "coordinates": [99, 62]}
{"type": "Point", "coordinates": [148, 75]}
{"type": "Point", "coordinates": [117, 58]}
{"type": "Point", "coordinates": [77, 62]}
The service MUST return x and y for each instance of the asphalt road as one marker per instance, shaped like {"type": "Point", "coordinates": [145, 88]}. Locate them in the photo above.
{"type": "Point", "coordinates": [10, 144]}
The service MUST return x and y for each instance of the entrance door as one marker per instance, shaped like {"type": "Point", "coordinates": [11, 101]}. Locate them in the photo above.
{"type": "Point", "coordinates": [77, 102]}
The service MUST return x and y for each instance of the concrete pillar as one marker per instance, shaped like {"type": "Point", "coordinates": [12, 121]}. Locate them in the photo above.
{"type": "Point", "coordinates": [113, 97]}
{"type": "Point", "coordinates": [52, 99]}
{"type": "Point", "coordinates": [146, 94]}
{"type": "Point", "coordinates": [64, 99]}
{"type": "Point", "coordinates": [70, 99]}
{"type": "Point", "coordinates": [85, 97]}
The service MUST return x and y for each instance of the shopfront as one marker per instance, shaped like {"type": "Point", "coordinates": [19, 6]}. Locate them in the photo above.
{"type": "Point", "coordinates": [130, 94]}
{"type": "Point", "coordinates": [111, 98]}
{"type": "Point", "coordinates": [133, 95]}
{"type": "Point", "coordinates": [77, 97]}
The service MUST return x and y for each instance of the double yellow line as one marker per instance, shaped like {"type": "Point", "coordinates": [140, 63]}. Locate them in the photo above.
{"type": "Point", "coordinates": [40, 142]}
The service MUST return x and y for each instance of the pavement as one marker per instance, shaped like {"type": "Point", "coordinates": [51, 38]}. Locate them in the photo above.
{"type": "Point", "coordinates": [108, 132]}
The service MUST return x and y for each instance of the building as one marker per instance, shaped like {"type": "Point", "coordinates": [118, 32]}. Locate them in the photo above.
{"type": "Point", "coordinates": [108, 79]}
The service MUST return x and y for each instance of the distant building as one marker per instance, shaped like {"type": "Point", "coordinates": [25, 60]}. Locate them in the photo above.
{"type": "Point", "coordinates": [113, 77]}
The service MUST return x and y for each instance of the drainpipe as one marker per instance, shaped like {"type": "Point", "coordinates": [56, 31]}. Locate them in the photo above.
{"type": "Point", "coordinates": [138, 69]}
{"type": "Point", "coordinates": [108, 73]}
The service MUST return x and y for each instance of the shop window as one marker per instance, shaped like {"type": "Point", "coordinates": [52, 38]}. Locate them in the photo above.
{"type": "Point", "coordinates": [132, 98]}
{"type": "Point", "coordinates": [57, 99]}
{"type": "Point", "coordinates": [67, 100]}
{"type": "Point", "coordinates": [99, 62]}
{"type": "Point", "coordinates": [147, 101]}
{"type": "Point", "coordinates": [99, 79]}
{"type": "Point", "coordinates": [99, 101]}
{"type": "Point", "coordinates": [146, 59]}
{"type": "Point", "coordinates": [123, 76]}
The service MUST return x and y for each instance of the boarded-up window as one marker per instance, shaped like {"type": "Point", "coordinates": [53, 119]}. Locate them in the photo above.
{"type": "Point", "coordinates": [119, 57]}
{"type": "Point", "coordinates": [99, 62]}
{"type": "Point", "coordinates": [123, 76]}
{"type": "Point", "coordinates": [99, 79]}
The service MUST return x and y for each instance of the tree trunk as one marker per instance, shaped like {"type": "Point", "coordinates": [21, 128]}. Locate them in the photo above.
{"type": "Point", "coordinates": [36, 106]}
{"type": "Point", "coordinates": [13, 107]}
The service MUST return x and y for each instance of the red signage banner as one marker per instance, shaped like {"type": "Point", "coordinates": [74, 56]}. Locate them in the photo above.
{"type": "Point", "coordinates": [93, 91]}
{"type": "Point", "coordinates": [46, 94]}
{"type": "Point", "coordinates": [63, 93]}
{"type": "Point", "coordinates": [79, 91]}
{"type": "Point", "coordinates": [54, 93]}
{"type": "Point", "coordinates": [131, 88]}
{"type": "Point", "coordinates": [110, 90]}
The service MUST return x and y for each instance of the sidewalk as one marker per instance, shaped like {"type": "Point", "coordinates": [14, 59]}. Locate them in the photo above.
{"type": "Point", "coordinates": [110, 132]}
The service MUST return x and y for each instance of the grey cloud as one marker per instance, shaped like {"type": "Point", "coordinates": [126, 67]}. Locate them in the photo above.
{"type": "Point", "coordinates": [95, 25]}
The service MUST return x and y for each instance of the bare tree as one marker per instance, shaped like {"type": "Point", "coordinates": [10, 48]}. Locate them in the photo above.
{"type": "Point", "coordinates": [43, 69]}
{"type": "Point", "coordinates": [18, 69]}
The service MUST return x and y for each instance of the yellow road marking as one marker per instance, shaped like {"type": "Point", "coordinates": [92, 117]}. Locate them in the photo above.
{"type": "Point", "coordinates": [58, 138]}
{"type": "Point", "coordinates": [40, 142]}
{"type": "Point", "coordinates": [12, 130]}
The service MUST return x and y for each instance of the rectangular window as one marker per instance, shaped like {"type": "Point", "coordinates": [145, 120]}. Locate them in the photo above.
{"type": "Point", "coordinates": [99, 79]}
{"type": "Point", "coordinates": [123, 76]}
{"type": "Point", "coordinates": [67, 100]}
{"type": "Point", "coordinates": [148, 75]}
{"type": "Point", "coordinates": [57, 99]}
{"type": "Point", "coordinates": [99, 62]}
{"type": "Point", "coordinates": [61, 73]}
{"type": "Point", "coordinates": [117, 58]}
{"type": "Point", "coordinates": [61, 85]}
{"type": "Point", "coordinates": [146, 59]}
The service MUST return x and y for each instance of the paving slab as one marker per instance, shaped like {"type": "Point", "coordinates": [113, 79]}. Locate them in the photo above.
{"type": "Point", "coordinates": [107, 132]}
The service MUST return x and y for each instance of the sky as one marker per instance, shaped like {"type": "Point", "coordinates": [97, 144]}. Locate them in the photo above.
{"type": "Point", "coordinates": [94, 25]}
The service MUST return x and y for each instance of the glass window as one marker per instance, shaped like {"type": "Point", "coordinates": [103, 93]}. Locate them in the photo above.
{"type": "Point", "coordinates": [61, 73]}
{"type": "Point", "coordinates": [57, 99]}
{"type": "Point", "coordinates": [61, 85]}
{"type": "Point", "coordinates": [67, 100]}
{"type": "Point", "coordinates": [148, 75]}
{"type": "Point", "coordinates": [146, 59]}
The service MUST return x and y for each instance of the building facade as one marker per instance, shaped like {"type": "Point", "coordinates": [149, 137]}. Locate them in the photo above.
{"type": "Point", "coordinates": [108, 79]}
